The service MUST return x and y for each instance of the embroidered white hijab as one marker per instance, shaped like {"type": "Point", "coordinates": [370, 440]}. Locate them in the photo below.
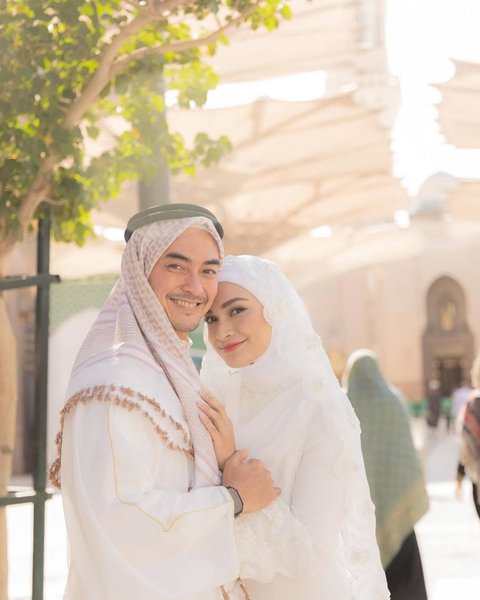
{"type": "Point", "coordinates": [292, 377]}
{"type": "Point", "coordinates": [133, 328]}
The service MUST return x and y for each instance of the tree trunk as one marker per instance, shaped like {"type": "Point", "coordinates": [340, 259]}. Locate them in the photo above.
{"type": "Point", "coordinates": [8, 403]}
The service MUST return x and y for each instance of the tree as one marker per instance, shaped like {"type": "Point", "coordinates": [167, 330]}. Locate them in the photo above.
{"type": "Point", "coordinates": [66, 66]}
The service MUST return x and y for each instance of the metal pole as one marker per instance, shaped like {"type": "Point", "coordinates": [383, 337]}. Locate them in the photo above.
{"type": "Point", "coordinates": [40, 433]}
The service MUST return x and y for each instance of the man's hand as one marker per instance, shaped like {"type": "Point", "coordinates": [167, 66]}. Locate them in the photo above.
{"type": "Point", "coordinates": [252, 481]}
{"type": "Point", "coordinates": [218, 424]}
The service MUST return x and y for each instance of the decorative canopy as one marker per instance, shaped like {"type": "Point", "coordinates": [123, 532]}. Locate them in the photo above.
{"type": "Point", "coordinates": [459, 116]}
{"type": "Point", "coordinates": [321, 35]}
{"type": "Point", "coordinates": [294, 166]}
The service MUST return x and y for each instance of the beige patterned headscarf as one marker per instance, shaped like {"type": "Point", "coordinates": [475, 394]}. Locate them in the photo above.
{"type": "Point", "coordinates": [133, 326]}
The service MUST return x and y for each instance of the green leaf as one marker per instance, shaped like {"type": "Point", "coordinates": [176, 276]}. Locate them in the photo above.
{"type": "Point", "coordinates": [93, 132]}
{"type": "Point", "coordinates": [286, 11]}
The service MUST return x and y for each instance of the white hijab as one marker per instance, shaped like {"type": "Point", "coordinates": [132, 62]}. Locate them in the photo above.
{"type": "Point", "coordinates": [291, 379]}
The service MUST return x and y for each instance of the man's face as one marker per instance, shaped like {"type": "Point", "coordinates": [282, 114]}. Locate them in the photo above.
{"type": "Point", "coordinates": [184, 278]}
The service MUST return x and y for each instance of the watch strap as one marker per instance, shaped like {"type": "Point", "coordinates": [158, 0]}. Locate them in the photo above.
{"type": "Point", "coordinates": [237, 501]}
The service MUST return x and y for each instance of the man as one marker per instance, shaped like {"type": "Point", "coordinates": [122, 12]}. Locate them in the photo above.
{"type": "Point", "coordinates": [148, 513]}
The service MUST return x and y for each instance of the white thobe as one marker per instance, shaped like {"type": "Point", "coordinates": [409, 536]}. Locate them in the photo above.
{"type": "Point", "coordinates": [135, 528]}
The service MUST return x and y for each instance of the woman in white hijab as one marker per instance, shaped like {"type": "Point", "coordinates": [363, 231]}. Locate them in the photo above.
{"type": "Point", "coordinates": [267, 365]}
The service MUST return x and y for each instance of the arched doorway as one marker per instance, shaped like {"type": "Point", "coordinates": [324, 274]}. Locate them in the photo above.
{"type": "Point", "coordinates": [447, 342]}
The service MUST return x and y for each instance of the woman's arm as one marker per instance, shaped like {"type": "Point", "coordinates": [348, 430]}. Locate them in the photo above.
{"type": "Point", "coordinates": [294, 539]}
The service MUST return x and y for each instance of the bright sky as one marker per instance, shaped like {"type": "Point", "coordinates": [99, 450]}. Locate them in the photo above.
{"type": "Point", "coordinates": [422, 35]}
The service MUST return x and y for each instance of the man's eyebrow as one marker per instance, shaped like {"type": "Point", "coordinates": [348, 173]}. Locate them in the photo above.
{"type": "Point", "coordinates": [178, 256]}
{"type": "Point", "coordinates": [231, 301]}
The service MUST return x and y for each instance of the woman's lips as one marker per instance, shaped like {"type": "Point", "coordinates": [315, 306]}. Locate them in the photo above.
{"type": "Point", "coordinates": [231, 347]}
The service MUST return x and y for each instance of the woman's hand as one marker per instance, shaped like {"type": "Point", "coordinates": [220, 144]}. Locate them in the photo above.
{"type": "Point", "coordinates": [214, 416]}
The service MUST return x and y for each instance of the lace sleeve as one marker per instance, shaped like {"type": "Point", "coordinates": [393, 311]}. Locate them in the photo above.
{"type": "Point", "coordinates": [310, 534]}
{"type": "Point", "coordinates": [273, 541]}
{"type": "Point", "coordinates": [294, 540]}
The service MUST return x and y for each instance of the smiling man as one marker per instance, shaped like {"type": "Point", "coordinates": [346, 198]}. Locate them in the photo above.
{"type": "Point", "coordinates": [148, 513]}
{"type": "Point", "coordinates": [185, 279]}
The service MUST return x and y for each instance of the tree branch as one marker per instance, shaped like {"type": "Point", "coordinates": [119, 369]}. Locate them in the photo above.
{"type": "Point", "coordinates": [106, 70]}
{"type": "Point", "coordinates": [103, 74]}
{"type": "Point", "coordinates": [54, 202]}
{"type": "Point", "coordinates": [122, 63]}
{"type": "Point", "coordinates": [41, 185]}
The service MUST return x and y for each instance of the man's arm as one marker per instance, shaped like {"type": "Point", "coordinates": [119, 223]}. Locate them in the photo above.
{"type": "Point", "coordinates": [131, 519]}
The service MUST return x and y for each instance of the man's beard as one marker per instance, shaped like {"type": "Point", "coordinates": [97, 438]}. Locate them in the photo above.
{"type": "Point", "coordinates": [184, 327]}
{"type": "Point", "coordinates": [185, 324]}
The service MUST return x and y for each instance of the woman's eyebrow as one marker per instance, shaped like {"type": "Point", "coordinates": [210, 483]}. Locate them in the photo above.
{"type": "Point", "coordinates": [231, 301]}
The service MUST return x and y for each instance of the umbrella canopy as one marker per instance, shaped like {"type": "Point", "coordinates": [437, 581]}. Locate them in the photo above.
{"type": "Point", "coordinates": [459, 116]}
{"type": "Point", "coordinates": [294, 166]}
{"type": "Point", "coordinates": [321, 35]}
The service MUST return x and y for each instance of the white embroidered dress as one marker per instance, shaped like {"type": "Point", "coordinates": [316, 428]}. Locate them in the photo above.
{"type": "Point", "coordinates": [146, 517]}
{"type": "Point", "coordinates": [317, 541]}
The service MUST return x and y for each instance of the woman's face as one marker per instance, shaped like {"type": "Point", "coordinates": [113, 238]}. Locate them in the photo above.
{"type": "Point", "coordinates": [237, 329]}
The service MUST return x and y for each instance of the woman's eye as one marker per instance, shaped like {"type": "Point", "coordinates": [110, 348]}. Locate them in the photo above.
{"type": "Point", "coordinates": [210, 319]}
{"type": "Point", "coordinates": [237, 310]}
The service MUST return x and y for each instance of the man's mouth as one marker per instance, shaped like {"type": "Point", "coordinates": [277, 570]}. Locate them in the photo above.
{"type": "Point", "coordinates": [185, 303]}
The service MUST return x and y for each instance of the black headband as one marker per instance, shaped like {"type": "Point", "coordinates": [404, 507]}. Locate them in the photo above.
{"type": "Point", "coordinates": [166, 212]}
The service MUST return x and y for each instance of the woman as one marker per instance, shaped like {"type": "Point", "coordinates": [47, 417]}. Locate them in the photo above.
{"type": "Point", "coordinates": [265, 362]}
{"type": "Point", "coordinates": [394, 473]}
{"type": "Point", "coordinates": [469, 429]}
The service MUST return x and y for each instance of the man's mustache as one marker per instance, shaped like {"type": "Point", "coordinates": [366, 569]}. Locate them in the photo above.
{"type": "Point", "coordinates": [188, 298]}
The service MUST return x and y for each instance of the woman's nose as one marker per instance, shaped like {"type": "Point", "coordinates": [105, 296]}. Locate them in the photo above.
{"type": "Point", "coordinates": [224, 330]}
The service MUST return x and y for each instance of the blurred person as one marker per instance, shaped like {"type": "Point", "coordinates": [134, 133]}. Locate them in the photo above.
{"type": "Point", "coordinates": [446, 410]}
{"type": "Point", "coordinates": [434, 399]}
{"type": "Point", "coordinates": [469, 429]}
{"type": "Point", "coordinates": [460, 397]}
{"type": "Point", "coordinates": [266, 364]}
{"type": "Point", "coordinates": [393, 470]}
{"type": "Point", "coordinates": [148, 507]}
{"type": "Point", "coordinates": [461, 472]}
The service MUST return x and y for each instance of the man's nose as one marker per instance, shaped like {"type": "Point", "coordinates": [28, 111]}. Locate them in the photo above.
{"type": "Point", "coordinates": [193, 285]}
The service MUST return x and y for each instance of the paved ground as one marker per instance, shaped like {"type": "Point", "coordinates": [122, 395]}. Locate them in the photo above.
{"type": "Point", "coordinates": [449, 535]}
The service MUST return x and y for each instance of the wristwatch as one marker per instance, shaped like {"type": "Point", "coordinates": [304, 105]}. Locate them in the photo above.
{"type": "Point", "coordinates": [237, 501]}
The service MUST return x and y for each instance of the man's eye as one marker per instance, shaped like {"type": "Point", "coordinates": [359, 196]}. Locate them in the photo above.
{"type": "Point", "coordinates": [210, 272]}
{"type": "Point", "coordinates": [174, 267]}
